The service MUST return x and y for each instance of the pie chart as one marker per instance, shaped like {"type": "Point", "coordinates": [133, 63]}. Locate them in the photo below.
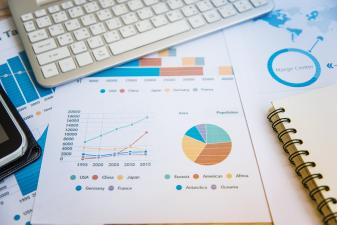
{"type": "Point", "coordinates": [207, 144]}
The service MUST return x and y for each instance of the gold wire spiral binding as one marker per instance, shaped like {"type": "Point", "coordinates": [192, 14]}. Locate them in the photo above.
{"type": "Point", "coordinates": [302, 167]}
{"type": "Point", "coordinates": [296, 154]}
{"type": "Point", "coordinates": [332, 216]}
{"type": "Point", "coordinates": [311, 177]}
{"type": "Point", "coordinates": [325, 202]}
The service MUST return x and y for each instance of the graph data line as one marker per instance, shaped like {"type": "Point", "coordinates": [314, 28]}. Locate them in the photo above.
{"type": "Point", "coordinates": [110, 148]}
{"type": "Point", "coordinates": [133, 143]}
{"type": "Point", "coordinates": [116, 129]}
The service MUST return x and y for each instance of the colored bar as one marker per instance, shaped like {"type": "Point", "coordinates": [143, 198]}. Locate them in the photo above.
{"type": "Point", "coordinates": [132, 63]}
{"type": "Point", "coordinates": [143, 62]}
{"type": "Point", "coordinates": [27, 178]}
{"type": "Point", "coordinates": [23, 80]}
{"type": "Point", "coordinates": [225, 70]}
{"type": "Point", "coordinates": [193, 61]}
{"type": "Point", "coordinates": [10, 86]}
{"type": "Point", "coordinates": [42, 91]}
{"type": "Point", "coordinates": [129, 72]}
{"type": "Point", "coordinates": [168, 52]}
{"type": "Point", "coordinates": [181, 71]}
{"type": "Point", "coordinates": [150, 62]}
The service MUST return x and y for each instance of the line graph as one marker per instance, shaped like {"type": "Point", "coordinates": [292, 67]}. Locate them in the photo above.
{"type": "Point", "coordinates": [129, 150]}
{"type": "Point", "coordinates": [114, 137]}
{"type": "Point", "coordinates": [115, 129]}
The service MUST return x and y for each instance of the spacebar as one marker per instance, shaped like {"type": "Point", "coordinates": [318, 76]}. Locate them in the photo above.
{"type": "Point", "coordinates": [149, 37]}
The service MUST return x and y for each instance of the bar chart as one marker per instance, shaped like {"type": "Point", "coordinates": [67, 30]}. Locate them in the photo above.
{"type": "Point", "coordinates": [17, 79]}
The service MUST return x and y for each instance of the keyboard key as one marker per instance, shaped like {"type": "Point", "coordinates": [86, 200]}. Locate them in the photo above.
{"type": "Point", "coordinates": [101, 53]}
{"type": "Point", "coordinates": [78, 47]}
{"type": "Point", "coordinates": [27, 17]}
{"type": "Point", "coordinates": [145, 13]}
{"type": "Point", "coordinates": [113, 23]}
{"type": "Point", "coordinates": [190, 1]}
{"type": "Point", "coordinates": [175, 4]}
{"type": "Point", "coordinates": [129, 18]}
{"type": "Point", "coordinates": [67, 65]}
{"type": "Point", "coordinates": [106, 3]}
{"type": "Point", "coordinates": [91, 7]}
{"type": "Point", "coordinates": [80, 2]}
{"type": "Point", "coordinates": [88, 20]}
{"type": "Point", "coordinates": [135, 4]}
{"type": "Point", "coordinates": [243, 5]}
{"type": "Point", "coordinates": [150, 2]}
{"type": "Point", "coordinates": [72, 25]}
{"type": "Point", "coordinates": [174, 15]}
{"type": "Point", "coordinates": [148, 37]}
{"type": "Point", "coordinates": [190, 10]}
{"type": "Point", "coordinates": [65, 39]}
{"type": "Point", "coordinates": [218, 3]}
{"type": "Point", "coordinates": [98, 28]}
{"type": "Point", "coordinates": [258, 3]}
{"type": "Point", "coordinates": [81, 34]}
{"type": "Point", "coordinates": [197, 21]}
{"type": "Point", "coordinates": [29, 26]}
{"type": "Point", "coordinates": [120, 9]}
{"type": "Point", "coordinates": [159, 20]}
{"type": "Point", "coordinates": [43, 22]}
{"type": "Point", "coordinates": [144, 25]}
{"type": "Point", "coordinates": [84, 59]}
{"type": "Point", "coordinates": [56, 30]}
{"type": "Point", "coordinates": [95, 42]}
{"type": "Point", "coordinates": [75, 12]}
{"type": "Point", "coordinates": [204, 5]}
{"type": "Point", "coordinates": [160, 8]}
{"type": "Point", "coordinates": [128, 31]}
{"type": "Point", "coordinates": [54, 9]}
{"type": "Point", "coordinates": [67, 5]}
{"type": "Point", "coordinates": [49, 70]}
{"type": "Point", "coordinates": [212, 16]}
{"type": "Point", "coordinates": [227, 11]}
{"type": "Point", "coordinates": [38, 35]}
{"type": "Point", "coordinates": [104, 14]}
{"type": "Point", "coordinates": [60, 17]}
{"type": "Point", "coordinates": [44, 46]}
{"type": "Point", "coordinates": [40, 13]}
{"type": "Point", "coordinates": [53, 55]}
{"type": "Point", "coordinates": [111, 36]}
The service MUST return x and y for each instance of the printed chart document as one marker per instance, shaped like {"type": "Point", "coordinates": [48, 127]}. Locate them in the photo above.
{"type": "Point", "coordinates": [34, 103]}
{"type": "Point", "coordinates": [288, 51]}
{"type": "Point", "coordinates": [152, 149]}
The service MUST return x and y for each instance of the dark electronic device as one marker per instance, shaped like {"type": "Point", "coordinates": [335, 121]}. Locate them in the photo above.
{"type": "Point", "coordinates": [18, 147]}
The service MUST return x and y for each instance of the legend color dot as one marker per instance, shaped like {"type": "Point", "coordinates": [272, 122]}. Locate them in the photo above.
{"type": "Point", "coordinates": [17, 217]}
{"type": "Point", "coordinates": [78, 188]}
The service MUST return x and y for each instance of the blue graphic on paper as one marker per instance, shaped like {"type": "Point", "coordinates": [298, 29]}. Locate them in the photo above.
{"type": "Point", "coordinates": [295, 21]}
{"type": "Point", "coordinates": [28, 177]}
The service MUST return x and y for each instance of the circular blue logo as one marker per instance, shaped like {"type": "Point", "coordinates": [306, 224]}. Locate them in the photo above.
{"type": "Point", "coordinates": [313, 78]}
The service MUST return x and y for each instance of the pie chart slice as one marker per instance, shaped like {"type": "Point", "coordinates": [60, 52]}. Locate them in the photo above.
{"type": "Point", "coordinates": [206, 144]}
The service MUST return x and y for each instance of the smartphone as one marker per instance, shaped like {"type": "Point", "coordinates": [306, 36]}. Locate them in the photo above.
{"type": "Point", "coordinates": [13, 141]}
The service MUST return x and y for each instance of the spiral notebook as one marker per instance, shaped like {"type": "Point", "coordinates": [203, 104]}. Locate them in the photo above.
{"type": "Point", "coordinates": [306, 126]}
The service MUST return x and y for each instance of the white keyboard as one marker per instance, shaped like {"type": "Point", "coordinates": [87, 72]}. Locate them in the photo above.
{"type": "Point", "coordinates": [66, 40]}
